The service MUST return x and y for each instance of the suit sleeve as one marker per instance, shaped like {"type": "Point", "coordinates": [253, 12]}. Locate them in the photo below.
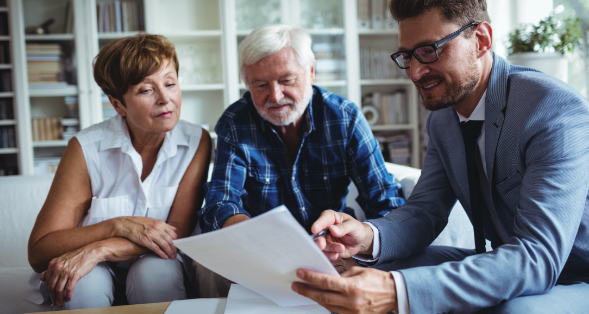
{"type": "Point", "coordinates": [551, 192]}
{"type": "Point", "coordinates": [412, 227]}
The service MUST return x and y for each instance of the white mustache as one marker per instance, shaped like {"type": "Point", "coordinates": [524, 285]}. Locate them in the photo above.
{"type": "Point", "coordinates": [283, 101]}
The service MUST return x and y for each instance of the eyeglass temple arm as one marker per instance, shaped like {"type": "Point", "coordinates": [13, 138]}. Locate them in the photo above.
{"type": "Point", "coordinates": [454, 35]}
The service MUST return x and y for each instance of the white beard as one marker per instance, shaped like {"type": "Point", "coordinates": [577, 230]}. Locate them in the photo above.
{"type": "Point", "coordinates": [290, 115]}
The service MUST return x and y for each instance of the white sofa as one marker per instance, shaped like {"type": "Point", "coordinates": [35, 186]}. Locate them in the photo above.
{"type": "Point", "coordinates": [21, 198]}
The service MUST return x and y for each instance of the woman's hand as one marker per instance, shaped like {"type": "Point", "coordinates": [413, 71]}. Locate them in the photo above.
{"type": "Point", "coordinates": [151, 233]}
{"type": "Point", "coordinates": [65, 271]}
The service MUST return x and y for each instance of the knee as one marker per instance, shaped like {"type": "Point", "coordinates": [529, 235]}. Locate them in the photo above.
{"type": "Point", "coordinates": [96, 289]}
{"type": "Point", "coordinates": [153, 279]}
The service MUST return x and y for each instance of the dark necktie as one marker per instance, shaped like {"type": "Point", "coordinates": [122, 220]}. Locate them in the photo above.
{"type": "Point", "coordinates": [470, 133]}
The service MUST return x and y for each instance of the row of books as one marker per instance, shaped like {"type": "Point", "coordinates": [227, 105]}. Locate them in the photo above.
{"type": "Point", "coordinates": [4, 53]}
{"type": "Point", "coordinates": [376, 64]}
{"type": "Point", "coordinates": [392, 108]}
{"type": "Point", "coordinates": [374, 14]}
{"type": "Point", "coordinates": [44, 63]}
{"type": "Point", "coordinates": [6, 109]}
{"type": "Point", "coordinates": [120, 16]}
{"type": "Point", "coordinates": [54, 128]}
{"type": "Point", "coordinates": [7, 137]}
{"type": "Point", "coordinates": [396, 148]}
{"type": "Point", "coordinates": [3, 23]}
{"type": "Point", "coordinates": [329, 61]}
{"type": "Point", "coordinates": [5, 81]}
{"type": "Point", "coordinates": [8, 171]}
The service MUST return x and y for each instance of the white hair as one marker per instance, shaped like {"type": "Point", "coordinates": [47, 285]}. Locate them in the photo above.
{"type": "Point", "coordinates": [269, 39]}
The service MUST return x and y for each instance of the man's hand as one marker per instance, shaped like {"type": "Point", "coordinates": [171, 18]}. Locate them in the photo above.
{"type": "Point", "coordinates": [65, 271]}
{"type": "Point", "coordinates": [235, 219]}
{"type": "Point", "coordinates": [358, 290]}
{"type": "Point", "coordinates": [347, 237]}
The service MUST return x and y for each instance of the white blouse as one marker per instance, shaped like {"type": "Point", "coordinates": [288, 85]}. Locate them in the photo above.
{"type": "Point", "coordinates": [115, 170]}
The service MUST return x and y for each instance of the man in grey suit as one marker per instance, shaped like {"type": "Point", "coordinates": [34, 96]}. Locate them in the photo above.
{"type": "Point", "coordinates": [523, 181]}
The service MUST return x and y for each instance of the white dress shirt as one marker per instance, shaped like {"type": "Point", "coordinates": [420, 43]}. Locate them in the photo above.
{"type": "Point", "coordinates": [478, 114]}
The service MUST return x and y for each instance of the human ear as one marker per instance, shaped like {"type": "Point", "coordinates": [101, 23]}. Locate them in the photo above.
{"type": "Point", "coordinates": [118, 105]}
{"type": "Point", "coordinates": [484, 37]}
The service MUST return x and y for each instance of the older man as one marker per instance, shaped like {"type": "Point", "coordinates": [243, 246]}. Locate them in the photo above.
{"type": "Point", "coordinates": [510, 143]}
{"type": "Point", "coordinates": [287, 142]}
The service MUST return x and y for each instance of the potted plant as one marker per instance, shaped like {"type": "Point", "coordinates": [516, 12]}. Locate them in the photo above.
{"type": "Point", "coordinates": [542, 46]}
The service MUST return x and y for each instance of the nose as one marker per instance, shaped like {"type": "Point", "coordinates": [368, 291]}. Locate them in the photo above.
{"type": "Point", "coordinates": [417, 70]}
{"type": "Point", "coordinates": [163, 97]}
{"type": "Point", "coordinates": [276, 93]}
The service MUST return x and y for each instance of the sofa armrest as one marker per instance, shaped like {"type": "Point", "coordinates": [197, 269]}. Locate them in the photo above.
{"type": "Point", "coordinates": [458, 231]}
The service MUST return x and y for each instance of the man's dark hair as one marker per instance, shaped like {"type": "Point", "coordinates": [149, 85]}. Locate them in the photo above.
{"type": "Point", "coordinates": [459, 12]}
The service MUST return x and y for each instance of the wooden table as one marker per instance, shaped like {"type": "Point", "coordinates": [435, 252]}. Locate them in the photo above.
{"type": "Point", "coordinates": [151, 308]}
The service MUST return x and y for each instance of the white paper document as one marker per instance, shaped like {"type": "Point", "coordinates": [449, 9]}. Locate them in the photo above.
{"type": "Point", "coordinates": [242, 300]}
{"type": "Point", "coordinates": [262, 254]}
{"type": "Point", "coordinates": [201, 306]}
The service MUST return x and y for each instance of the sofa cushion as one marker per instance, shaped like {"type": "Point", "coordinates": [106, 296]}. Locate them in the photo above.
{"type": "Point", "coordinates": [14, 288]}
{"type": "Point", "coordinates": [22, 199]}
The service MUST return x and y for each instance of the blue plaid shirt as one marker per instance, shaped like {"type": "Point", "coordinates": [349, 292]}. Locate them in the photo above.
{"type": "Point", "coordinates": [253, 172]}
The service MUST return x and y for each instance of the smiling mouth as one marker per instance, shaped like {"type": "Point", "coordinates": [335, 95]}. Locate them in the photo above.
{"type": "Point", "coordinates": [430, 86]}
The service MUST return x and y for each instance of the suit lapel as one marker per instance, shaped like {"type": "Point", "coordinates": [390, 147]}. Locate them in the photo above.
{"type": "Point", "coordinates": [495, 103]}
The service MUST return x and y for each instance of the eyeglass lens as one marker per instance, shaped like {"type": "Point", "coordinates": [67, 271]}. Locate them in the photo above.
{"type": "Point", "coordinates": [426, 54]}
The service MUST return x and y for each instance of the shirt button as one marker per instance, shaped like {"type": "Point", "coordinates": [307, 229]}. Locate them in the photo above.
{"type": "Point", "coordinates": [293, 178]}
{"type": "Point", "coordinates": [267, 180]}
{"type": "Point", "coordinates": [325, 178]}
{"type": "Point", "coordinates": [303, 208]}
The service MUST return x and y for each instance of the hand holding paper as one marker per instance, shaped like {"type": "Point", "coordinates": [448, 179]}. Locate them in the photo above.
{"type": "Point", "coordinates": [262, 254]}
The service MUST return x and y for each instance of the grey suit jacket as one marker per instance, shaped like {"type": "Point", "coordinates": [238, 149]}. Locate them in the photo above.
{"type": "Point", "coordinates": [537, 159]}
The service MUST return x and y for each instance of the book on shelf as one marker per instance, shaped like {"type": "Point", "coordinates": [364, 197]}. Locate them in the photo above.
{"type": "Point", "coordinates": [46, 64]}
{"type": "Point", "coordinates": [69, 18]}
{"type": "Point", "coordinates": [330, 63]}
{"type": "Point", "coordinates": [7, 138]}
{"type": "Point", "coordinates": [376, 64]}
{"type": "Point", "coordinates": [3, 23]}
{"type": "Point", "coordinates": [72, 104]}
{"type": "Point", "coordinates": [5, 81]}
{"type": "Point", "coordinates": [120, 16]}
{"type": "Point", "coordinates": [374, 14]}
{"type": "Point", "coordinates": [4, 53]}
{"type": "Point", "coordinates": [364, 17]}
{"type": "Point", "coordinates": [6, 109]}
{"type": "Point", "coordinates": [376, 8]}
{"type": "Point", "coordinates": [392, 108]}
{"type": "Point", "coordinates": [395, 148]}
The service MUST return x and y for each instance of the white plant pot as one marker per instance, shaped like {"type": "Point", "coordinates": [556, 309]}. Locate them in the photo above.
{"type": "Point", "coordinates": [551, 63]}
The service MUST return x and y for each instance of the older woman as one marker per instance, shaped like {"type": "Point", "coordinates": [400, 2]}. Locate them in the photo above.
{"type": "Point", "coordinates": [125, 188]}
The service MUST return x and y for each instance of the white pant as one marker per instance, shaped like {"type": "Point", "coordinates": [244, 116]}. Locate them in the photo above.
{"type": "Point", "coordinates": [149, 279]}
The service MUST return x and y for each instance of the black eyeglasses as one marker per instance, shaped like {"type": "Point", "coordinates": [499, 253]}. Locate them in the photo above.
{"type": "Point", "coordinates": [425, 54]}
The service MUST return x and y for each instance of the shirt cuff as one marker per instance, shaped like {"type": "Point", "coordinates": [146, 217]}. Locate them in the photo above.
{"type": "Point", "coordinates": [402, 299]}
{"type": "Point", "coordinates": [375, 246]}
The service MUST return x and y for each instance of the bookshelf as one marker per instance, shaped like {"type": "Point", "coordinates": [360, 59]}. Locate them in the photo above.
{"type": "Point", "coordinates": [388, 95]}
{"type": "Point", "coordinates": [9, 148]}
{"type": "Point", "coordinates": [206, 34]}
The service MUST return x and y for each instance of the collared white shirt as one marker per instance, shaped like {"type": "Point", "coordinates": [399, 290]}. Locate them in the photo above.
{"type": "Point", "coordinates": [115, 170]}
{"type": "Point", "coordinates": [478, 114]}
